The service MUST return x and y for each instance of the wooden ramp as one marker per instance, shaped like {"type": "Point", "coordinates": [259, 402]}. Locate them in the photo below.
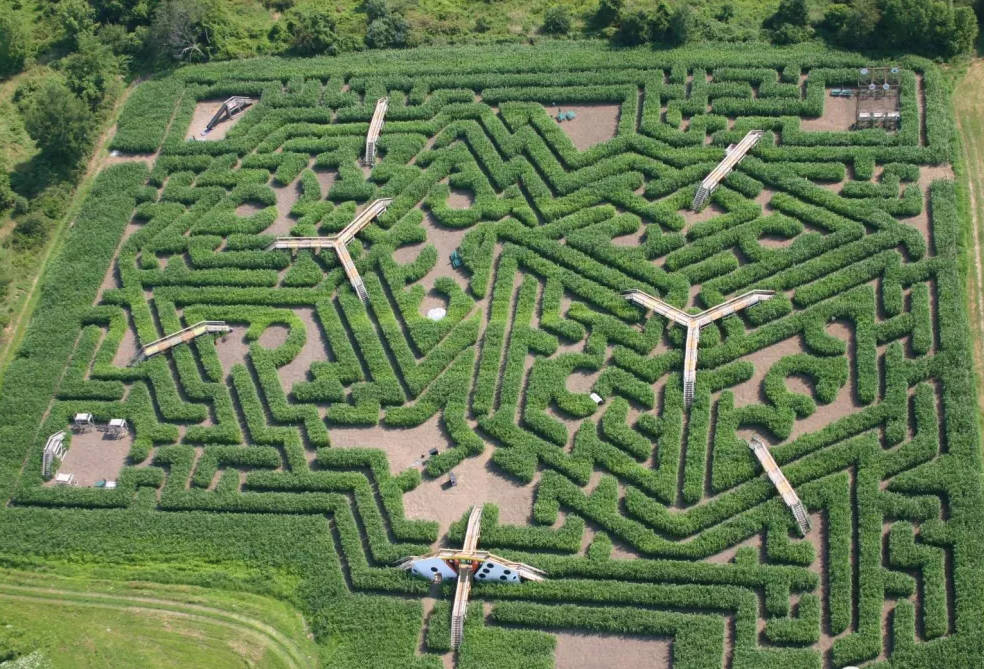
{"type": "Point", "coordinates": [779, 480]}
{"type": "Point", "coordinates": [230, 108]}
{"type": "Point", "coordinates": [694, 323]}
{"type": "Point", "coordinates": [733, 155]}
{"type": "Point", "coordinates": [338, 243]}
{"type": "Point", "coordinates": [181, 337]}
{"type": "Point", "coordinates": [375, 126]}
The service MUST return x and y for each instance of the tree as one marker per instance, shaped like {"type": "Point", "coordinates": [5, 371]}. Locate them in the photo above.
{"type": "Point", "coordinates": [16, 42]}
{"type": "Point", "coordinates": [386, 29]}
{"type": "Point", "coordinates": [30, 231]}
{"type": "Point", "coordinates": [76, 18]}
{"type": "Point", "coordinates": [633, 29]}
{"type": "Point", "coordinates": [556, 21]}
{"type": "Point", "coordinates": [180, 29]}
{"type": "Point", "coordinates": [607, 13]}
{"type": "Point", "coordinates": [311, 29]}
{"type": "Point", "coordinates": [59, 123]}
{"type": "Point", "coordinates": [91, 71]}
{"type": "Point", "coordinates": [791, 12]}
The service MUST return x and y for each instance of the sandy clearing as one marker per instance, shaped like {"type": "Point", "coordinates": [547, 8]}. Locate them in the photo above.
{"type": "Point", "coordinates": [232, 348]}
{"type": "Point", "coordinates": [750, 392]}
{"type": "Point", "coordinates": [326, 179]}
{"type": "Point", "coordinates": [204, 111]}
{"type": "Point", "coordinates": [287, 196]}
{"type": "Point", "coordinates": [580, 650]}
{"type": "Point", "coordinates": [479, 481]}
{"type": "Point", "coordinates": [273, 337]}
{"type": "Point", "coordinates": [728, 554]}
{"type": "Point", "coordinates": [708, 212]}
{"type": "Point", "coordinates": [127, 349]}
{"type": "Point", "coordinates": [591, 125]}
{"type": "Point", "coordinates": [460, 199]}
{"type": "Point", "coordinates": [838, 114]}
{"type": "Point", "coordinates": [93, 457]}
{"type": "Point", "coordinates": [404, 447]}
{"type": "Point", "coordinates": [312, 351]}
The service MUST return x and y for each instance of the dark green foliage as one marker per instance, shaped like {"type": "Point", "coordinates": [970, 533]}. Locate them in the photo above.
{"type": "Point", "coordinates": [59, 123]}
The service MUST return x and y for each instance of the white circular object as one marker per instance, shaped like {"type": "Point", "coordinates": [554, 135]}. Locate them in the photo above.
{"type": "Point", "coordinates": [437, 313]}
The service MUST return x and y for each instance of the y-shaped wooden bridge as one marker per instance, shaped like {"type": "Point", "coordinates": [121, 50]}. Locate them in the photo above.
{"type": "Point", "coordinates": [465, 564]}
{"type": "Point", "coordinates": [694, 324]}
{"type": "Point", "coordinates": [339, 243]}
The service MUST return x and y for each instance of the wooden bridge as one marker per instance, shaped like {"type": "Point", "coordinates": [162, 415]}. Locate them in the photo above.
{"type": "Point", "coordinates": [779, 480]}
{"type": "Point", "coordinates": [375, 126]}
{"type": "Point", "coordinates": [180, 337]}
{"type": "Point", "coordinates": [694, 323]}
{"type": "Point", "coordinates": [339, 243]}
{"type": "Point", "coordinates": [732, 157]}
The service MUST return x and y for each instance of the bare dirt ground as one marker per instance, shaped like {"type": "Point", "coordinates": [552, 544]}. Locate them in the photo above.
{"type": "Point", "coordinates": [313, 350]}
{"type": "Point", "coordinates": [478, 481]}
{"type": "Point", "coordinates": [728, 554]}
{"type": "Point", "coordinates": [578, 650]}
{"type": "Point", "coordinates": [707, 213]}
{"type": "Point", "coordinates": [127, 349]}
{"type": "Point", "coordinates": [93, 457]}
{"type": "Point", "coordinates": [326, 179]}
{"type": "Point", "coordinates": [403, 446]}
{"type": "Point", "coordinates": [750, 392]}
{"type": "Point", "coordinates": [591, 125]}
{"type": "Point", "coordinates": [204, 111]}
{"type": "Point", "coordinates": [838, 114]}
{"type": "Point", "coordinates": [286, 198]}
{"type": "Point", "coordinates": [460, 199]}
{"type": "Point", "coordinates": [273, 337]}
{"type": "Point", "coordinates": [232, 348]}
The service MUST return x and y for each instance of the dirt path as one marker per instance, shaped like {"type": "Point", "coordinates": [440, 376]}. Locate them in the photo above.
{"type": "Point", "coordinates": [968, 102]}
{"type": "Point", "coordinates": [274, 640]}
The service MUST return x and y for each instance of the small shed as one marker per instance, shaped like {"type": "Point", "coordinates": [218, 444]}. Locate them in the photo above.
{"type": "Point", "coordinates": [64, 478]}
{"type": "Point", "coordinates": [117, 428]}
{"type": "Point", "coordinates": [82, 422]}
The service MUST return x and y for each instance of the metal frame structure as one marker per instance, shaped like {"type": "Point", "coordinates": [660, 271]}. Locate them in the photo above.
{"type": "Point", "coordinates": [733, 155]}
{"type": "Point", "coordinates": [694, 324]}
{"type": "Point", "coordinates": [339, 243]}
{"type": "Point", "coordinates": [779, 480]}
{"type": "Point", "coordinates": [230, 108]}
{"type": "Point", "coordinates": [463, 565]}
{"type": "Point", "coordinates": [82, 422]}
{"type": "Point", "coordinates": [117, 428]}
{"type": "Point", "coordinates": [375, 127]}
{"type": "Point", "coordinates": [878, 88]}
{"type": "Point", "coordinates": [180, 337]}
{"type": "Point", "coordinates": [53, 448]}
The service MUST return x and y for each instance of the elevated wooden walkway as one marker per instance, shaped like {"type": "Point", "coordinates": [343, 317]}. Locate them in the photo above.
{"type": "Point", "coordinates": [339, 243]}
{"type": "Point", "coordinates": [694, 323]}
{"type": "Point", "coordinates": [375, 127]}
{"type": "Point", "coordinates": [779, 480]}
{"type": "Point", "coordinates": [732, 157]}
{"type": "Point", "coordinates": [180, 337]}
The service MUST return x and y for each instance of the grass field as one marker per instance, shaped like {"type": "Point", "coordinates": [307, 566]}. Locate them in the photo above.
{"type": "Point", "coordinates": [968, 105]}
{"type": "Point", "coordinates": [94, 623]}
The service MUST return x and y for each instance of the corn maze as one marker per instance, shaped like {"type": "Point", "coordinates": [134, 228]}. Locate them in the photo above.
{"type": "Point", "coordinates": [653, 521]}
